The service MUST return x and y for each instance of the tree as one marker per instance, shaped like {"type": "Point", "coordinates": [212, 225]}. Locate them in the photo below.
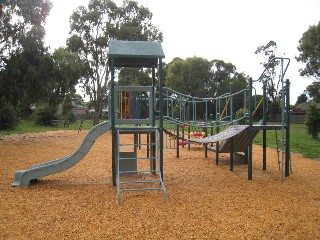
{"type": "Point", "coordinates": [225, 77]}
{"type": "Point", "coordinates": [273, 86]}
{"type": "Point", "coordinates": [222, 75]}
{"type": "Point", "coordinates": [134, 77]}
{"type": "Point", "coordinates": [309, 48]}
{"type": "Point", "coordinates": [28, 72]}
{"type": "Point", "coordinates": [189, 76]}
{"type": "Point", "coordinates": [33, 76]}
{"type": "Point", "coordinates": [69, 69]}
{"type": "Point", "coordinates": [17, 18]}
{"type": "Point", "coordinates": [302, 98]}
{"type": "Point", "coordinates": [312, 121]}
{"type": "Point", "coordinates": [94, 26]}
{"type": "Point", "coordinates": [199, 77]}
{"type": "Point", "coordinates": [313, 91]}
{"type": "Point", "coordinates": [21, 33]}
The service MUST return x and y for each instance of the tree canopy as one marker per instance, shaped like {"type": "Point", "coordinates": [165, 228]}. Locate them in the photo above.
{"type": "Point", "coordinates": [134, 77]}
{"type": "Point", "coordinates": [17, 19]}
{"type": "Point", "coordinates": [92, 28]}
{"type": "Point", "coordinates": [199, 77]}
{"type": "Point", "coordinates": [188, 76]}
{"type": "Point", "coordinates": [309, 48]}
{"type": "Point", "coordinates": [29, 74]}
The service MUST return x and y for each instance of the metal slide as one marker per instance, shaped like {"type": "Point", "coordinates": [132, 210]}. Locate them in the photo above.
{"type": "Point", "coordinates": [24, 177]}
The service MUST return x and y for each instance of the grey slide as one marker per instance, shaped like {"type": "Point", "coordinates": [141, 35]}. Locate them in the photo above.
{"type": "Point", "coordinates": [24, 177]}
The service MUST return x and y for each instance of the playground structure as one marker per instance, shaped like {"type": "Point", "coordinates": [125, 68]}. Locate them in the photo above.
{"type": "Point", "coordinates": [125, 158]}
{"type": "Point", "coordinates": [25, 177]}
{"type": "Point", "coordinates": [133, 110]}
{"type": "Point", "coordinates": [235, 139]}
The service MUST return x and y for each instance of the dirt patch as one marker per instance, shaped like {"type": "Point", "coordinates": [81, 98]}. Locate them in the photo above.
{"type": "Point", "coordinates": [204, 200]}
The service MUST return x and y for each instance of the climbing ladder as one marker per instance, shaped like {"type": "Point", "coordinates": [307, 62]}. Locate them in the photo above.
{"type": "Point", "coordinates": [132, 169]}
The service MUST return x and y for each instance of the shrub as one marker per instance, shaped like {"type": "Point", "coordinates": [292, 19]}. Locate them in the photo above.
{"type": "Point", "coordinates": [71, 117]}
{"type": "Point", "coordinates": [312, 121]}
{"type": "Point", "coordinates": [44, 115]}
{"type": "Point", "coordinates": [240, 115]}
{"type": "Point", "coordinates": [8, 117]}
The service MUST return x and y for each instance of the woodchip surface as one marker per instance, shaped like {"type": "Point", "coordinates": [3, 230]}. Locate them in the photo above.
{"type": "Point", "coordinates": [204, 200]}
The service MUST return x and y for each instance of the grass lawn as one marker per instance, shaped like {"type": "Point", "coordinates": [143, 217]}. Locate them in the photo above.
{"type": "Point", "coordinates": [301, 143]}
{"type": "Point", "coordinates": [26, 126]}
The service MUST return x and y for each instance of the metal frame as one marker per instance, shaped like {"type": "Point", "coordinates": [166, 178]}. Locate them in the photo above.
{"type": "Point", "coordinates": [141, 54]}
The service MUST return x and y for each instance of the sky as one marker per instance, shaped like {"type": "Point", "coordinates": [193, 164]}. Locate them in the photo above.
{"type": "Point", "coordinates": [229, 30]}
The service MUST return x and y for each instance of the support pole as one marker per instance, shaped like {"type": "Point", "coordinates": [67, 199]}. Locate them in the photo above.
{"type": "Point", "coordinates": [217, 128]}
{"type": "Point", "coordinates": [250, 132]}
{"type": "Point", "coordinates": [153, 136]}
{"type": "Point", "coordinates": [113, 129]}
{"type": "Point", "coordinates": [217, 143]}
{"type": "Point", "coordinates": [287, 161]}
{"type": "Point", "coordinates": [177, 139]}
{"type": "Point", "coordinates": [231, 123]}
{"type": "Point", "coordinates": [264, 132]}
{"type": "Point", "coordinates": [161, 116]}
{"type": "Point", "coordinates": [231, 154]}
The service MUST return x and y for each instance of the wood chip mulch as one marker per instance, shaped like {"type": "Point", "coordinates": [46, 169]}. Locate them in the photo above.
{"type": "Point", "coordinates": [204, 200]}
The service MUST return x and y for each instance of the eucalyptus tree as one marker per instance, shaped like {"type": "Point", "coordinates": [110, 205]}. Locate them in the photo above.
{"type": "Point", "coordinates": [269, 77]}
{"type": "Point", "coordinates": [69, 69]}
{"type": "Point", "coordinates": [199, 77]}
{"type": "Point", "coordinates": [134, 77]}
{"type": "Point", "coordinates": [17, 18]}
{"type": "Point", "coordinates": [92, 28]}
{"type": "Point", "coordinates": [21, 32]}
{"type": "Point", "coordinates": [189, 76]}
{"type": "Point", "coordinates": [309, 48]}
{"type": "Point", "coordinates": [27, 73]}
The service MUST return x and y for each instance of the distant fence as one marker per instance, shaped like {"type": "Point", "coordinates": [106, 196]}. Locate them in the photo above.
{"type": "Point", "coordinates": [293, 118]}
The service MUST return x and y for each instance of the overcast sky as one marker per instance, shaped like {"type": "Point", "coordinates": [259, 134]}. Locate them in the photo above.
{"type": "Point", "coordinates": [230, 30]}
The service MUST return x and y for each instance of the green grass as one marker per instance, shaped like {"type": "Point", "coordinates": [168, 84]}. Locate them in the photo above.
{"type": "Point", "coordinates": [300, 141]}
{"type": "Point", "coordinates": [27, 126]}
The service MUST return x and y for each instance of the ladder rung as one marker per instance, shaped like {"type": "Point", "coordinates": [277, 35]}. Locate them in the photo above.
{"type": "Point", "coordinates": [137, 158]}
{"type": "Point", "coordinates": [138, 144]}
{"type": "Point", "coordinates": [139, 189]}
{"type": "Point", "coordinates": [146, 171]}
{"type": "Point", "coordinates": [141, 181]}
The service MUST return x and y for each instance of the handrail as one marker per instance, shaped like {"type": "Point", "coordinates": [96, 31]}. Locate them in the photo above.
{"type": "Point", "coordinates": [271, 61]}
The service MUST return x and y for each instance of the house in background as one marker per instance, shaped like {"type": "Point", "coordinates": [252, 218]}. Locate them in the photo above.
{"type": "Point", "coordinates": [299, 111]}
{"type": "Point", "coordinates": [78, 110]}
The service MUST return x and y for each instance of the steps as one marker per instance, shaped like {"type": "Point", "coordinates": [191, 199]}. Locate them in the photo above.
{"type": "Point", "coordinates": [138, 171]}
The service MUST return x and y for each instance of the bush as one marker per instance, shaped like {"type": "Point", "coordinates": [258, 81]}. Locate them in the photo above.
{"type": "Point", "coordinates": [312, 121]}
{"type": "Point", "coordinates": [44, 115]}
{"type": "Point", "coordinates": [70, 117]}
{"type": "Point", "coordinates": [240, 115]}
{"type": "Point", "coordinates": [8, 118]}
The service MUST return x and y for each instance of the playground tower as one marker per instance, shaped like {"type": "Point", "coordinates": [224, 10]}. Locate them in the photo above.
{"type": "Point", "coordinates": [139, 54]}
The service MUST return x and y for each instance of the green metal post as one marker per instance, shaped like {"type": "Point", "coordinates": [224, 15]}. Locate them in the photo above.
{"type": "Point", "coordinates": [153, 96]}
{"type": "Point", "coordinates": [250, 132]}
{"type": "Point", "coordinates": [189, 137]}
{"type": "Point", "coordinates": [287, 161]}
{"type": "Point", "coordinates": [153, 136]}
{"type": "Point", "coordinates": [231, 122]}
{"type": "Point", "coordinates": [264, 132]}
{"type": "Point", "coordinates": [161, 115]}
{"type": "Point", "coordinates": [113, 129]}
{"type": "Point", "coordinates": [217, 130]}
{"type": "Point", "coordinates": [177, 139]}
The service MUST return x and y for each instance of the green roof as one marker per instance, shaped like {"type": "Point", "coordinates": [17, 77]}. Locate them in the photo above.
{"type": "Point", "coordinates": [135, 53]}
